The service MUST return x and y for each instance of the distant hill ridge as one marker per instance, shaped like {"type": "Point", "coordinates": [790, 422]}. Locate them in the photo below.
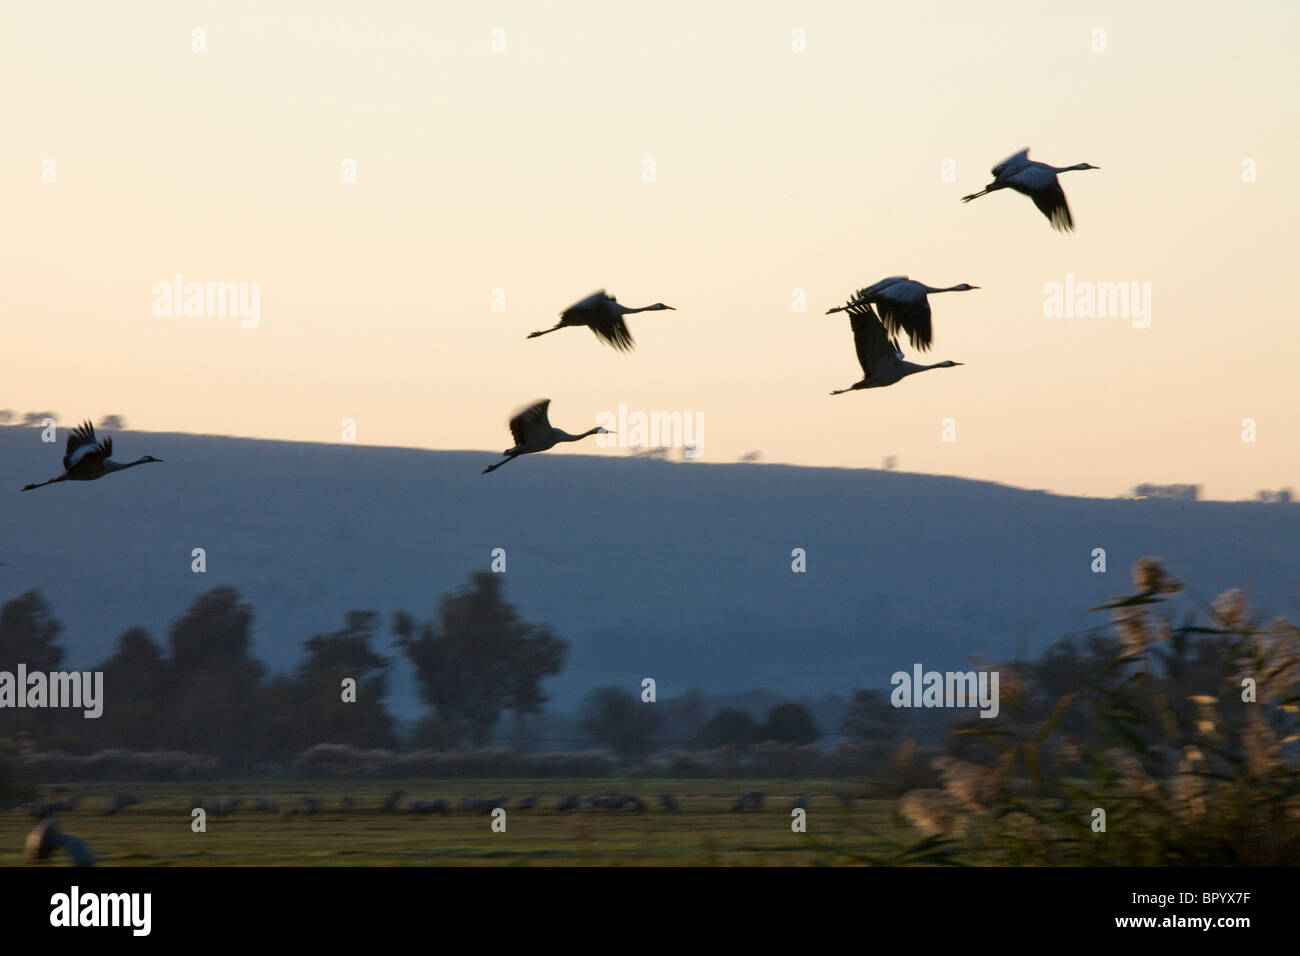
{"type": "Point", "coordinates": [676, 571]}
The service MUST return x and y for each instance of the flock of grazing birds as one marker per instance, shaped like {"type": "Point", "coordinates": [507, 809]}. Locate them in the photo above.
{"type": "Point", "coordinates": [878, 314]}
{"type": "Point", "coordinates": [46, 837]}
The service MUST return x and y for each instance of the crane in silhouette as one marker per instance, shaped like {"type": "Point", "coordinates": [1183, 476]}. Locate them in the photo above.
{"type": "Point", "coordinates": [1037, 181]}
{"type": "Point", "coordinates": [86, 458]}
{"type": "Point", "coordinates": [533, 432]}
{"type": "Point", "coordinates": [903, 305]}
{"type": "Point", "coordinates": [882, 363]}
{"type": "Point", "coordinates": [604, 316]}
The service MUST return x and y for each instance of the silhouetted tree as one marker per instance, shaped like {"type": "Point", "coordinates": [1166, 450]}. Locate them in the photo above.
{"type": "Point", "coordinates": [868, 716]}
{"type": "Point", "coordinates": [1174, 492]}
{"type": "Point", "coordinates": [136, 682]}
{"type": "Point", "coordinates": [430, 733]}
{"type": "Point", "coordinates": [1283, 496]}
{"type": "Point", "coordinates": [6, 416]}
{"type": "Point", "coordinates": [729, 727]}
{"type": "Point", "coordinates": [620, 720]}
{"type": "Point", "coordinates": [112, 421]}
{"type": "Point", "coordinates": [216, 682]}
{"type": "Point", "coordinates": [684, 715]}
{"type": "Point", "coordinates": [309, 708]}
{"type": "Point", "coordinates": [789, 723]}
{"type": "Point", "coordinates": [35, 418]}
{"type": "Point", "coordinates": [29, 635]}
{"type": "Point", "coordinates": [479, 659]}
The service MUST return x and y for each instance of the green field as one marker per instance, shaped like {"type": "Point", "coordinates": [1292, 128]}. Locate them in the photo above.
{"type": "Point", "coordinates": [705, 833]}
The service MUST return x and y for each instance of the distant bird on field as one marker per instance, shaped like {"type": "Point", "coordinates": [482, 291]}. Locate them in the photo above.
{"type": "Point", "coordinates": [121, 802]}
{"type": "Point", "coordinates": [669, 802]}
{"type": "Point", "coordinates": [45, 838]}
{"type": "Point", "coordinates": [480, 805]}
{"type": "Point", "coordinates": [527, 803]}
{"type": "Point", "coordinates": [1037, 181]}
{"type": "Point", "coordinates": [845, 799]}
{"type": "Point", "coordinates": [750, 799]}
{"type": "Point", "coordinates": [619, 801]}
{"type": "Point", "coordinates": [801, 801]}
{"type": "Point", "coordinates": [532, 432]}
{"type": "Point", "coordinates": [903, 306]}
{"type": "Point", "coordinates": [428, 806]}
{"type": "Point", "coordinates": [882, 363]}
{"type": "Point", "coordinates": [87, 459]}
{"type": "Point", "coordinates": [390, 803]}
{"type": "Point", "coordinates": [266, 802]}
{"type": "Point", "coordinates": [310, 804]}
{"type": "Point", "coordinates": [568, 803]}
{"type": "Point", "coordinates": [603, 315]}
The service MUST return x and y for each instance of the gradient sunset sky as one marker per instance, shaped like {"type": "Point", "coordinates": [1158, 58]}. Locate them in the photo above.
{"type": "Point", "coordinates": [775, 171]}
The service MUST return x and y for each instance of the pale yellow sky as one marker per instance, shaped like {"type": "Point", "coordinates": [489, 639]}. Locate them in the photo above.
{"type": "Point", "coordinates": [775, 171]}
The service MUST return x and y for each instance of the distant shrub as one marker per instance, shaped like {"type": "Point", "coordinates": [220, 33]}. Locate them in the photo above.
{"type": "Point", "coordinates": [116, 764]}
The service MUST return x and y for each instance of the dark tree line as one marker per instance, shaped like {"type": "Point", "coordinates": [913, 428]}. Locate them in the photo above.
{"type": "Point", "coordinates": [203, 691]}
{"type": "Point", "coordinates": [619, 720]}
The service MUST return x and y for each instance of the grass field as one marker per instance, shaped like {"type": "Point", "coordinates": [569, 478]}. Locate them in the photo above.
{"type": "Point", "coordinates": [706, 832]}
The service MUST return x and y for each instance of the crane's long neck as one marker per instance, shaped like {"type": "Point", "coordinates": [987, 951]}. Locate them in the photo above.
{"type": "Point", "coordinates": [951, 288]}
{"type": "Point", "coordinates": [657, 307]}
{"type": "Point", "coordinates": [1066, 169]}
{"type": "Point", "coordinates": [912, 368]}
{"type": "Point", "coordinates": [565, 436]}
{"type": "Point", "coordinates": [111, 465]}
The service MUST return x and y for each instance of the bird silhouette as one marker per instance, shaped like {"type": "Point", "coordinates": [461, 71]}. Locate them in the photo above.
{"type": "Point", "coordinates": [1037, 181]}
{"type": "Point", "coordinates": [604, 316]}
{"type": "Point", "coordinates": [903, 305]}
{"type": "Point", "coordinates": [86, 459]}
{"type": "Point", "coordinates": [532, 432]}
{"type": "Point", "coordinates": [882, 363]}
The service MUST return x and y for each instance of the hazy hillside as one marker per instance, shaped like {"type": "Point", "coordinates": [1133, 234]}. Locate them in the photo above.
{"type": "Point", "coordinates": [676, 571]}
